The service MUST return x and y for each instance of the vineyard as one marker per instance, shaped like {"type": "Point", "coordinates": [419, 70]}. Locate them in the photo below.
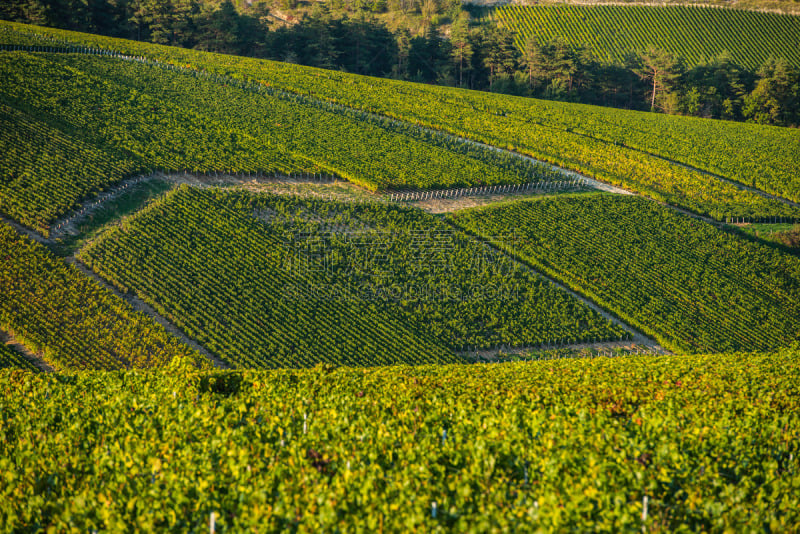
{"type": "Point", "coordinates": [644, 152]}
{"type": "Point", "coordinates": [691, 286]}
{"type": "Point", "coordinates": [73, 322]}
{"type": "Point", "coordinates": [698, 34]}
{"type": "Point", "coordinates": [9, 358]}
{"type": "Point", "coordinates": [674, 443]}
{"type": "Point", "coordinates": [173, 121]}
{"type": "Point", "coordinates": [302, 281]}
{"type": "Point", "coordinates": [44, 171]}
{"type": "Point", "coordinates": [235, 314]}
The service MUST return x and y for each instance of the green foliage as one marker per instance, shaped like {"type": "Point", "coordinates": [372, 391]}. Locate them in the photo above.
{"type": "Point", "coordinates": [175, 120]}
{"type": "Point", "coordinates": [774, 100]}
{"type": "Point", "coordinates": [73, 322]}
{"type": "Point", "coordinates": [45, 172]}
{"type": "Point", "coordinates": [623, 147]}
{"type": "Point", "coordinates": [286, 282]}
{"type": "Point", "coordinates": [9, 358]}
{"type": "Point", "coordinates": [697, 33]}
{"type": "Point", "coordinates": [692, 286]}
{"type": "Point", "coordinates": [661, 70]}
{"type": "Point", "coordinates": [568, 445]}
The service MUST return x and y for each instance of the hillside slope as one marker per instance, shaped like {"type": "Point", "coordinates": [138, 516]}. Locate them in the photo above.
{"type": "Point", "coordinates": [71, 321]}
{"type": "Point", "coordinates": [692, 286]}
{"type": "Point", "coordinates": [698, 34]}
{"type": "Point", "coordinates": [645, 152]}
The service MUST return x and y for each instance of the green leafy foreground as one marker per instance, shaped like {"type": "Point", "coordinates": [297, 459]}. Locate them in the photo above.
{"type": "Point", "coordinates": [710, 441]}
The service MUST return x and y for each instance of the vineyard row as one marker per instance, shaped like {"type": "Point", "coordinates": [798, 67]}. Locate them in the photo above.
{"type": "Point", "coordinates": [639, 443]}
{"type": "Point", "coordinates": [547, 131]}
{"type": "Point", "coordinates": [301, 279]}
{"type": "Point", "coordinates": [684, 282]}
{"type": "Point", "coordinates": [52, 309]}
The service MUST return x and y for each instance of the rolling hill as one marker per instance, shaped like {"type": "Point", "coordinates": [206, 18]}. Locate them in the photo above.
{"type": "Point", "coordinates": [249, 295]}
{"type": "Point", "coordinates": [696, 33]}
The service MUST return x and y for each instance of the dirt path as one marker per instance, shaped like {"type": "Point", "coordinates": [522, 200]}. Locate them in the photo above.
{"type": "Point", "coordinates": [36, 359]}
{"type": "Point", "coordinates": [638, 337]}
{"type": "Point", "coordinates": [36, 236]}
{"type": "Point", "coordinates": [70, 224]}
{"type": "Point", "coordinates": [579, 350]}
{"type": "Point", "coordinates": [448, 205]}
{"type": "Point", "coordinates": [141, 306]}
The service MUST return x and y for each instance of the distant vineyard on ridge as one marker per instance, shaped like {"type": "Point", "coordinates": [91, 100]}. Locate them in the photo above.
{"type": "Point", "coordinates": [697, 34]}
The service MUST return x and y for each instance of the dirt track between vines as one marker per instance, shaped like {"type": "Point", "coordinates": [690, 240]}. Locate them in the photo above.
{"type": "Point", "coordinates": [143, 307]}
{"type": "Point", "coordinates": [334, 190]}
{"type": "Point", "coordinates": [36, 359]}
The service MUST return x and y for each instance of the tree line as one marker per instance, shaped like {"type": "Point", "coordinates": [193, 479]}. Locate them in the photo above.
{"type": "Point", "coordinates": [462, 54]}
